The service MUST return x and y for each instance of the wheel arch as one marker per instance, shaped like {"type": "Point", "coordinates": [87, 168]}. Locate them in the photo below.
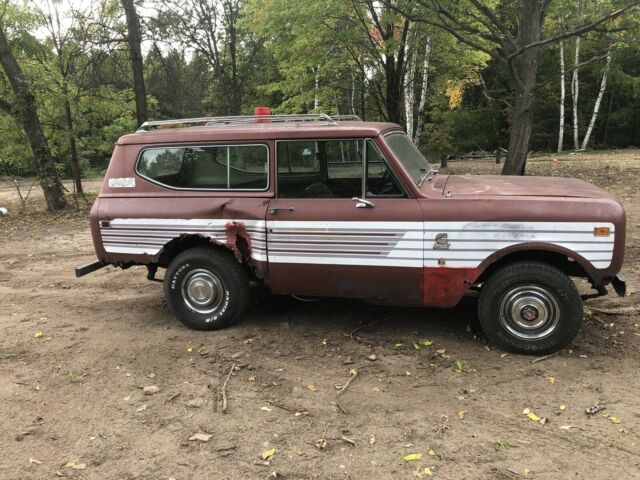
{"type": "Point", "coordinates": [568, 262]}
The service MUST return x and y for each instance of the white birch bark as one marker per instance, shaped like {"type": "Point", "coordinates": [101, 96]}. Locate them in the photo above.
{"type": "Point", "coordinates": [596, 107]}
{"type": "Point", "coordinates": [352, 100]}
{"type": "Point", "coordinates": [423, 90]}
{"type": "Point", "coordinates": [316, 97]}
{"type": "Point", "coordinates": [410, 53]}
{"type": "Point", "coordinates": [575, 87]}
{"type": "Point", "coordinates": [562, 99]}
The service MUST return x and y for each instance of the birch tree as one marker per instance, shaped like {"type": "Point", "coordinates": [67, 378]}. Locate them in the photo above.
{"type": "Point", "coordinates": [596, 107]}
{"type": "Point", "coordinates": [423, 90]}
{"type": "Point", "coordinates": [575, 91]}
{"type": "Point", "coordinates": [562, 99]}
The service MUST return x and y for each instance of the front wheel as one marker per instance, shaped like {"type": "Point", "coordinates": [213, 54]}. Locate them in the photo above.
{"type": "Point", "coordinates": [206, 289]}
{"type": "Point", "coordinates": [530, 308]}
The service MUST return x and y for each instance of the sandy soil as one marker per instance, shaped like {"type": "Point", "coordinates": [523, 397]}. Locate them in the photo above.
{"type": "Point", "coordinates": [75, 354]}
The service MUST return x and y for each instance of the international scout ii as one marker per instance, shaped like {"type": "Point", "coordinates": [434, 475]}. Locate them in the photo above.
{"type": "Point", "coordinates": [313, 205]}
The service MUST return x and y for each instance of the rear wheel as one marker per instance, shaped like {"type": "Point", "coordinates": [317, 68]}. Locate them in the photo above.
{"type": "Point", "coordinates": [206, 289]}
{"type": "Point", "coordinates": [531, 308]}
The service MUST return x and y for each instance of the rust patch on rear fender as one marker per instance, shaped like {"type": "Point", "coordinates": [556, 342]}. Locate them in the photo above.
{"type": "Point", "coordinates": [239, 242]}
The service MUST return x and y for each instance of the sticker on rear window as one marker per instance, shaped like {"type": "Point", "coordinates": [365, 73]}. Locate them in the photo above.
{"type": "Point", "coordinates": [128, 182]}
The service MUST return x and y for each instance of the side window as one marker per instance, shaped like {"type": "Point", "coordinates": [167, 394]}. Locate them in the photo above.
{"type": "Point", "coordinates": [380, 180]}
{"type": "Point", "coordinates": [320, 169]}
{"type": "Point", "coordinates": [235, 167]}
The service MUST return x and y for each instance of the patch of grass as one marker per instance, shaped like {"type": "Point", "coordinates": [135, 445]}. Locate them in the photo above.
{"type": "Point", "coordinates": [500, 443]}
{"type": "Point", "coordinates": [72, 377]}
{"type": "Point", "coordinates": [461, 366]}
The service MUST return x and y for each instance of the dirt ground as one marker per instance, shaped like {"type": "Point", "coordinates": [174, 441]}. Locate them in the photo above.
{"type": "Point", "coordinates": [75, 354]}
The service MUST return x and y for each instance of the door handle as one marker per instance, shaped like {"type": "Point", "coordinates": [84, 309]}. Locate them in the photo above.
{"type": "Point", "coordinates": [362, 203]}
{"type": "Point", "coordinates": [274, 210]}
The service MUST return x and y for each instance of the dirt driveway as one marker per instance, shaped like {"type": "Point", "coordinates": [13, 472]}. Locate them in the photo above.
{"type": "Point", "coordinates": [75, 355]}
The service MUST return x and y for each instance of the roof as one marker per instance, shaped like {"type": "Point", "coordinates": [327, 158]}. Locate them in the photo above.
{"type": "Point", "coordinates": [258, 131]}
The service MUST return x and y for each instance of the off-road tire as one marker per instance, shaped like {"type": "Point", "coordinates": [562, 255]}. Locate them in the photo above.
{"type": "Point", "coordinates": [505, 303]}
{"type": "Point", "coordinates": [210, 264]}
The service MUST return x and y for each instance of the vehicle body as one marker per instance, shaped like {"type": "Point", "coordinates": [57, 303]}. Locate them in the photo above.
{"type": "Point", "coordinates": [315, 206]}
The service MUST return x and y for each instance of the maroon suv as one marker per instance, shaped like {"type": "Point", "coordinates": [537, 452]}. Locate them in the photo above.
{"type": "Point", "coordinates": [312, 205]}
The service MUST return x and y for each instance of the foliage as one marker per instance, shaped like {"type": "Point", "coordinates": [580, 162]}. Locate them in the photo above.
{"type": "Point", "coordinates": [210, 57]}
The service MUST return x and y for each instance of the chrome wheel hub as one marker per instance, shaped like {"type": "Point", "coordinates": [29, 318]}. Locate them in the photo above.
{"type": "Point", "coordinates": [529, 312]}
{"type": "Point", "coordinates": [202, 291]}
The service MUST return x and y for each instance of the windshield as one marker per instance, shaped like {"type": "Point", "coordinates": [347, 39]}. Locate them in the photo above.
{"type": "Point", "coordinates": [410, 157]}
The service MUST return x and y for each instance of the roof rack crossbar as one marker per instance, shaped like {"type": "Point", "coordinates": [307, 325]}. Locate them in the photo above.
{"type": "Point", "coordinates": [244, 119]}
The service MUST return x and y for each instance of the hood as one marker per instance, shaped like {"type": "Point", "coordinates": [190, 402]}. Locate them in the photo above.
{"type": "Point", "coordinates": [495, 185]}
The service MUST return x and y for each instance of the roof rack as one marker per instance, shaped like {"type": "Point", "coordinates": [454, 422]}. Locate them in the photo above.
{"type": "Point", "coordinates": [245, 119]}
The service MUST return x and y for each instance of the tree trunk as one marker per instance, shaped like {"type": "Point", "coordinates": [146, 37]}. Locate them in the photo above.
{"type": "Point", "coordinates": [394, 73]}
{"type": "Point", "coordinates": [26, 113]}
{"type": "Point", "coordinates": [562, 99]}
{"type": "Point", "coordinates": [409, 84]}
{"type": "Point", "coordinates": [316, 88]}
{"type": "Point", "coordinates": [134, 39]}
{"type": "Point", "coordinates": [524, 70]}
{"type": "Point", "coordinates": [423, 90]}
{"type": "Point", "coordinates": [596, 107]}
{"type": "Point", "coordinates": [232, 33]}
{"type": "Point", "coordinates": [575, 87]}
{"type": "Point", "coordinates": [73, 149]}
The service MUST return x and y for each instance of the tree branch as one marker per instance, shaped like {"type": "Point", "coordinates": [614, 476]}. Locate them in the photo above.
{"type": "Point", "coordinates": [587, 27]}
{"type": "Point", "coordinates": [490, 98]}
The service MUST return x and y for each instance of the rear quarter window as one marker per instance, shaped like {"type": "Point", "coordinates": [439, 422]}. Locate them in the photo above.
{"type": "Point", "coordinates": [213, 167]}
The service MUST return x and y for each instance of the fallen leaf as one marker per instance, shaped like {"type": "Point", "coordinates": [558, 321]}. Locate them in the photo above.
{"type": "Point", "coordinates": [550, 378]}
{"type": "Point", "coordinates": [141, 409]}
{"type": "Point", "coordinates": [441, 351]}
{"type": "Point", "coordinates": [533, 416]}
{"type": "Point", "coordinates": [127, 398]}
{"type": "Point", "coordinates": [324, 342]}
{"type": "Point", "coordinates": [189, 349]}
{"type": "Point", "coordinates": [266, 409]}
{"type": "Point", "coordinates": [615, 420]}
{"type": "Point", "coordinates": [461, 414]}
{"type": "Point", "coordinates": [431, 452]}
{"type": "Point", "coordinates": [76, 466]}
{"type": "Point", "coordinates": [38, 334]}
{"type": "Point", "coordinates": [312, 387]}
{"type": "Point", "coordinates": [200, 437]}
{"type": "Point", "coordinates": [527, 471]}
{"type": "Point", "coordinates": [428, 472]}
{"type": "Point", "coordinates": [504, 355]}
{"type": "Point", "coordinates": [426, 342]}
{"type": "Point", "coordinates": [416, 346]}
{"type": "Point", "coordinates": [563, 408]}
{"type": "Point", "coordinates": [398, 345]}
{"type": "Point", "coordinates": [268, 454]}
{"type": "Point", "coordinates": [413, 457]}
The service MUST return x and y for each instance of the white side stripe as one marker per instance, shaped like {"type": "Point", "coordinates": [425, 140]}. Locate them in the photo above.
{"type": "Point", "coordinates": [392, 244]}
